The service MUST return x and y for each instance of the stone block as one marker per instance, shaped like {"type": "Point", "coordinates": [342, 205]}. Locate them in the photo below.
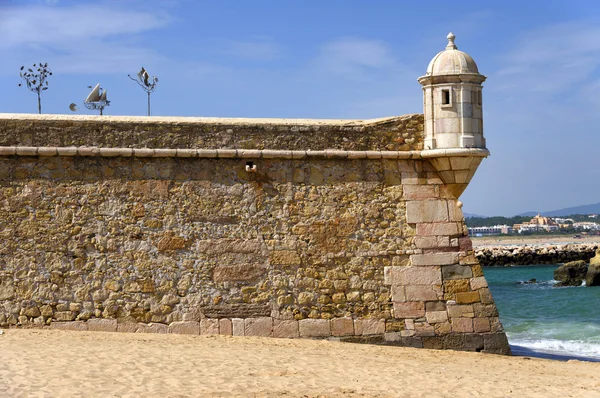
{"type": "Point", "coordinates": [185, 327]}
{"type": "Point", "coordinates": [454, 211]}
{"type": "Point", "coordinates": [486, 296]}
{"type": "Point", "coordinates": [457, 285]}
{"type": "Point", "coordinates": [420, 192]}
{"type": "Point", "coordinates": [457, 311]}
{"type": "Point", "coordinates": [423, 292]}
{"type": "Point", "coordinates": [436, 316]}
{"type": "Point", "coordinates": [467, 297]}
{"type": "Point", "coordinates": [406, 165]}
{"type": "Point", "coordinates": [412, 309]}
{"type": "Point", "coordinates": [284, 258]}
{"type": "Point", "coordinates": [225, 327]}
{"type": "Point", "coordinates": [465, 244]}
{"type": "Point", "coordinates": [392, 337]}
{"type": "Point", "coordinates": [64, 316]}
{"type": "Point", "coordinates": [495, 325]}
{"type": "Point", "coordinates": [128, 327]}
{"type": "Point", "coordinates": [410, 178]}
{"type": "Point", "coordinates": [485, 310]}
{"type": "Point", "coordinates": [441, 163]}
{"type": "Point", "coordinates": [102, 325]}
{"type": "Point", "coordinates": [401, 261]}
{"type": "Point", "coordinates": [413, 342]}
{"type": "Point", "coordinates": [412, 275]}
{"type": "Point", "coordinates": [209, 326]}
{"type": "Point", "coordinates": [437, 229]}
{"type": "Point", "coordinates": [435, 306]}
{"type": "Point", "coordinates": [342, 327]}
{"type": "Point", "coordinates": [473, 342]}
{"type": "Point", "coordinates": [429, 242]}
{"type": "Point", "coordinates": [258, 326]}
{"type": "Point", "coordinates": [445, 258]}
{"type": "Point", "coordinates": [424, 329]}
{"type": "Point", "coordinates": [433, 343]}
{"type": "Point", "coordinates": [462, 325]}
{"type": "Point", "coordinates": [170, 242]}
{"type": "Point", "coordinates": [496, 343]}
{"type": "Point", "coordinates": [442, 328]}
{"type": "Point", "coordinates": [368, 327]}
{"type": "Point", "coordinates": [423, 211]}
{"type": "Point", "coordinates": [461, 163]}
{"type": "Point", "coordinates": [75, 326]}
{"type": "Point", "coordinates": [447, 176]}
{"type": "Point", "coordinates": [433, 178]}
{"type": "Point", "coordinates": [286, 329]}
{"type": "Point", "coordinates": [158, 328]}
{"type": "Point", "coordinates": [192, 315]}
{"type": "Point", "coordinates": [237, 326]}
{"type": "Point", "coordinates": [314, 328]}
{"type": "Point", "coordinates": [238, 272]}
{"type": "Point", "coordinates": [470, 260]}
{"type": "Point", "coordinates": [481, 325]}
{"type": "Point", "coordinates": [456, 271]}
{"type": "Point", "coordinates": [398, 293]}
{"type": "Point", "coordinates": [478, 283]}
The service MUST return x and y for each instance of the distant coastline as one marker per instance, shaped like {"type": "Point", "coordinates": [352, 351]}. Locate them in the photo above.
{"type": "Point", "coordinates": [496, 240]}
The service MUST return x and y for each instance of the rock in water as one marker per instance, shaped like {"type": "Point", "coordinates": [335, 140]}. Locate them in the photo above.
{"type": "Point", "coordinates": [592, 277]}
{"type": "Point", "coordinates": [571, 274]}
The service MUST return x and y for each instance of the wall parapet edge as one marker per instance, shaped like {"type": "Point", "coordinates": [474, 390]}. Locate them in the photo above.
{"type": "Point", "coordinates": [237, 153]}
{"type": "Point", "coordinates": [398, 133]}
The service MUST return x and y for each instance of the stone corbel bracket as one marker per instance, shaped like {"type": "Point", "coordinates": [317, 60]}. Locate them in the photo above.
{"type": "Point", "coordinates": [456, 166]}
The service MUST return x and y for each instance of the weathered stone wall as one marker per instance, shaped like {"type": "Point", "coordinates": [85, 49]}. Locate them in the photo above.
{"type": "Point", "coordinates": [358, 249]}
{"type": "Point", "coordinates": [401, 133]}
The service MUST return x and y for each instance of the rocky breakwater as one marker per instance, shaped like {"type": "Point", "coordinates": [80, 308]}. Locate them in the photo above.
{"type": "Point", "coordinates": [534, 254]}
{"type": "Point", "coordinates": [575, 273]}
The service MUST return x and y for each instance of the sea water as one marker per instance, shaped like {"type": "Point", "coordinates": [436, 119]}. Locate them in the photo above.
{"type": "Point", "coordinates": [543, 320]}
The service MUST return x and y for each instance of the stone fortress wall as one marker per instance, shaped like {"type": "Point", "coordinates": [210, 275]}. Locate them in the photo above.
{"type": "Point", "coordinates": [285, 228]}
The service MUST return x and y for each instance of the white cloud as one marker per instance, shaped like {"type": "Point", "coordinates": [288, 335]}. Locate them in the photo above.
{"type": "Point", "coordinates": [84, 38]}
{"type": "Point", "coordinates": [552, 59]}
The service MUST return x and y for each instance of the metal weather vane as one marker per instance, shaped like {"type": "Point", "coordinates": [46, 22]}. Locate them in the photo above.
{"type": "Point", "coordinates": [146, 82]}
{"type": "Point", "coordinates": [36, 80]}
{"type": "Point", "coordinates": [96, 99]}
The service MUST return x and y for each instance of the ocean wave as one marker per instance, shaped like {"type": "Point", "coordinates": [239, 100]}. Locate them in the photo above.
{"type": "Point", "coordinates": [561, 347]}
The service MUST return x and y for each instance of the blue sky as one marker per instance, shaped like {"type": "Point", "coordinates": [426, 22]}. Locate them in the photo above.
{"type": "Point", "coordinates": [336, 59]}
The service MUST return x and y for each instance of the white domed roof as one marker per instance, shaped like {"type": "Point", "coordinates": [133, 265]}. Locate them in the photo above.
{"type": "Point", "coordinates": [451, 61]}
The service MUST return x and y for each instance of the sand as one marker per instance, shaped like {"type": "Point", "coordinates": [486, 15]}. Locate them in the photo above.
{"type": "Point", "coordinates": [53, 363]}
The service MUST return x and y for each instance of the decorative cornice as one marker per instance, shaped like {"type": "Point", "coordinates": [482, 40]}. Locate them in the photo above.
{"type": "Point", "coordinates": [237, 153]}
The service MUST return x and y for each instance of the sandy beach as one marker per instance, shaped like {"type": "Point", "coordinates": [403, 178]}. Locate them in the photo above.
{"type": "Point", "coordinates": [53, 363]}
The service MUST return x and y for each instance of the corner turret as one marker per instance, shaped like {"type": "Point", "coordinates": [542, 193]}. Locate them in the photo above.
{"type": "Point", "coordinates": [452, 100]}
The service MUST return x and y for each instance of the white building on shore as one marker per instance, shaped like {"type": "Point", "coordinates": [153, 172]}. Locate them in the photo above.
{"type": "Point", "coordinates": [494, 230]}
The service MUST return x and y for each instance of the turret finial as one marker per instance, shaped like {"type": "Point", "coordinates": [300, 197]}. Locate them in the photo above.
{"type": "Point", "coordinates": [451, 44]}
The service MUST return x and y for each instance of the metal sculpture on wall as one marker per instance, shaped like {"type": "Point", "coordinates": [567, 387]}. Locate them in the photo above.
{"type": "Point", "coordinates": [96, 99]}
{"type": "Point", "coordinates": [145, 81]}
{"type": "Point", "coordinates": [36, 80]}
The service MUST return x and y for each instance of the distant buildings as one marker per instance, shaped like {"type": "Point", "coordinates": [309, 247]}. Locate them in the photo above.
{"type": "Point", "coordinates": [540, 223]}
{"type": "Point", "coordinates": [537, 223]}
{"type": "Point", "coordinates": [495, 230]}
{"type": "Point", "coordinates": [586, 226]}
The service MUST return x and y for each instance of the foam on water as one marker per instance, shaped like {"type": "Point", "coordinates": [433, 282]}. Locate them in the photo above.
{"type": "Point", "coordinates": [543, 320]}
{"type": "Point", "coordinates": [569, 348]}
